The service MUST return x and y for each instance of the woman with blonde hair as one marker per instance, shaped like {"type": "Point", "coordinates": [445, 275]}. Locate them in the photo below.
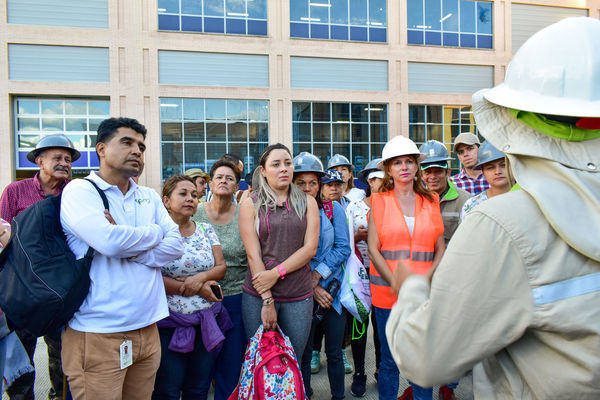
{"type": "Point", "coordinates": [405, 227]}
{"type": "Point", "coordinates": [279, 225]}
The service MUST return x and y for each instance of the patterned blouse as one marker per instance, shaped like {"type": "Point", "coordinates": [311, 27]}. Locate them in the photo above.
{"type": "Point", "coordinates": [358, 211]}
{"type": "Point", "coordinates": [198, 257]}
{"type": "Point", "coordinates": [472, 203]}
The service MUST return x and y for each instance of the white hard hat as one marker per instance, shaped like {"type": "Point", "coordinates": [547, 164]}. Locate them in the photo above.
{"type": "Point", "coordinates": [399, 146]}
{"type": "Point", "coordinates": [556, 72]}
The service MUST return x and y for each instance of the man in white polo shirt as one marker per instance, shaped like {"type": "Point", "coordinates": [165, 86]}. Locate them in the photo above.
{"type": "Point", "coordinates": [111, 348]}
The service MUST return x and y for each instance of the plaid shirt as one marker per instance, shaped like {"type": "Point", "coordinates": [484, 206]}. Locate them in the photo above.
{"type": "Point", "coordinates": [473, 186]}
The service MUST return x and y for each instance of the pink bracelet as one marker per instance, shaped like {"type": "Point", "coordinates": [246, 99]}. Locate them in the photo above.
{"type": "Point", "coordinates": [282, 271]}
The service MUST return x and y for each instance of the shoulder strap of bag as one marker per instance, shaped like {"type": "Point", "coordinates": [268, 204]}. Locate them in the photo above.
{"type": "Point", "coordinates": [90, 252]}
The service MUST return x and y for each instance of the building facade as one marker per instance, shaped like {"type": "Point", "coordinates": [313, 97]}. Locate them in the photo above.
{"type": "Point", "coordinates": [208, 77]}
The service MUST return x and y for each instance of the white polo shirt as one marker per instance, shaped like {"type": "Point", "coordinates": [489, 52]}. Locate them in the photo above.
{"type": "Point", "coordinates": [124, 294]}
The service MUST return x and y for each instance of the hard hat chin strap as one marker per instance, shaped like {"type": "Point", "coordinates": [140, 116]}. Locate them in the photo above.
{"type": "Point", "coordinates": [563, 130]}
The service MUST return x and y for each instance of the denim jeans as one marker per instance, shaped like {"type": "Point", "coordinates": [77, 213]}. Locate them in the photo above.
{"type": "Point", "coordinates": [293, 317]}
{"type": "Point", "coordinates": [183, 375]}
{"type": "Point", "coordinates": [333, 325]}
{"type": "Point", "coordinates": [389, 375]}
{"type": "Point", "coordinates": [229, 361]}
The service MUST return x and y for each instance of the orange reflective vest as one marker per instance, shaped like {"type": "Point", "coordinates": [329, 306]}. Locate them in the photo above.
{"type": "Point", "coordinates": [396, 242]}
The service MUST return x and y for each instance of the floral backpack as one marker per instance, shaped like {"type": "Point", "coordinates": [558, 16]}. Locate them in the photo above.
{"type": "Point", "coordinates": [270, 370]}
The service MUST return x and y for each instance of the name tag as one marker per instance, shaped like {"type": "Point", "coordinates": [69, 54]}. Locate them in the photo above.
{"type": "Point", "coordinates": [125, 351]}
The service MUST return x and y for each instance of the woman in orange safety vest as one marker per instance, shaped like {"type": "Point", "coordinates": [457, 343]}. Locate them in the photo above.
{"type": "Point", "coordinates": [405, 226]}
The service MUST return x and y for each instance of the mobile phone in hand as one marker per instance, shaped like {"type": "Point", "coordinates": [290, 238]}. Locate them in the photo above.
{"type": "Point", "coordinates": [216, 289]}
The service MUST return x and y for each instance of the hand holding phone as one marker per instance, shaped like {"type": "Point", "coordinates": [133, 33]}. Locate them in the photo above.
{"type": "Point", "coordinates": [217, 291]}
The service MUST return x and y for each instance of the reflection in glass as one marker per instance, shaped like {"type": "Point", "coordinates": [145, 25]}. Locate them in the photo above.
{"type": "Point", "coordinates": [78, 141]}
{"type": "Point", "coordinates": [433, 15]}
{"type": "Point", "coordinates": [467, 16]}
{"type": "Point", "coordinates": [170, 131]}
{"type": "Point", "coordinates": [29, 140]}
{"type": "Point", "coordinates": [321, 132]}
{"type": "Point", "coordinates": [235, 8]}
{"type": "Point", "coordinates": [484, 17]}
{"type": "Point", "coordinates": [76, 124]}
{"type": "Point", "coordinates": [28, 107]}
{"type": "Point", "coordinates": [301, 132]}
{"type": "Point", "coordinates": [192, 109]}
{"type": "Point", "coordinates": [99, 108]}
{"type": "Point", "coordinates": [258, 110]}
{"type": "Point", "coordinates": [215, 109]}
{"type": "Point", "coordinates": [94, 124]}
{"type": "Point", "coordinates": [52, 124]}
{"type": "Point", "coordinates": [321, 111]}
{"type": "Point", "coordinates": [360, 155]}
{"type": "Point", "coordinates": [172, 157]}
{"type": "Point", "coordinates": [341, 132]}
{"type": "Point", "coordinates": [358, 12]}
{"type": "Point", "coordinates": [377, 13]}
{"type": "Point", "coordinates": [417, 133]}
{"type": "Point", "coordinates": [378, 112]}
{"type": "Point", "coordinates": [450, 15]}
{"type": "Point", "coordinates": [339, 11]}
{"type": "Point", "coordinates": [258, 132]}
{"type": "Point", "coordinates": [319, 13]}
{"type": "Point", "coordinates": [416, 114]}
{"type": "Point", "coordinates": [415, 13]}
{"type": "Point", "coordinates": [193, 131]}
{"type": "Point", "coordinates": [52, 107]}
{"type": "Point", "coordinates": [434, 132]}
{"type": "Point", "coordinates": [341, 148]}
{"type": "Point", "coordinates": [360, 132]}
{"type": "Point", "coordinates": [253, 157]}
{"type": "Point", "coordinates": [194, 155]}
{"type": "Point", "coordinates": [213, 8]}
{"type": "Point", "coordinates": [257, 9]}
{"type": "Point", "coordinates": [298, 10]}
{"type": "Point", "coordinates": [214, 151]}
{"type": "Point", "coordinates": [236, 110]}
{"type": "Point", "coordinates": [360, 112]}
{"type": "Point", "coordinates": [322, 150]}
{"type": "Point", "coordinates": [28, 124]}
{"type": "Point", "coordinates": [434, 114]}
{"type": "Point", "coordinates": [378, 133]}
{"type": "Point", "coordinates": [215, 131]}
{"type": "Point", "coordinates": [376, 150]}
{"type": "Point", "coordinates": [170, 109]}
{"type": "Point", "coordinates": [301, 111]}
{"type": "Point", "coordinates": [241, 150]}
{"type": "Point", "coordinates": [237, 131]}
{"type": "Point", "coordinates": [75, 108]}
{"type": "Point", "coordinates": [171, 6]}
{"type": "Point", "coordinates": [340, 112]}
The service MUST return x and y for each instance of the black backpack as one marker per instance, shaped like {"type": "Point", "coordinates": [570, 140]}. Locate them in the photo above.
{"type": "Point", "coordinates": [41, 283]}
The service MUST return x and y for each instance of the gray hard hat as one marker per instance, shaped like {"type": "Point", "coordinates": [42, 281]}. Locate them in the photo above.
{"type": "Point", "coordinates": [52, 141]}
{"type": "Point", "coordinates": [437, 155]}
{"type": "Point", "coordinates": [370, 167]}
{"type": "Point", "coordinates": [306, 162]}
{"type": "Point", "coordinates": [487, 153]}
{"type": "Point", "coordinates": [339, 160]}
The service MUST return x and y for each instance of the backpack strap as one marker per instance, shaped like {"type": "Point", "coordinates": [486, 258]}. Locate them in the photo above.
{"type": "Point", "coordinates": [90, 253]}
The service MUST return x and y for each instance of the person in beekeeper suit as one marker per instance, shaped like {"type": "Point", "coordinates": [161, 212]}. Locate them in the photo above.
{"type": "Point", "coordinates": [516, 297]}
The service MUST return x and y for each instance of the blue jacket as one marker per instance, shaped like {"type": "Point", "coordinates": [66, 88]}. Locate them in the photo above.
{"type": "Point", "coordinates": [333, 249]}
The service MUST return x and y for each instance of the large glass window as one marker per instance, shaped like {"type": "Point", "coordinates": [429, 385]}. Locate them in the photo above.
{"type": "Point", "coordinates": [235, 17]}
{"type": "Point", "coordinates": [440, 122]}
{"type": "Point", "coordinates": [197, 132]}
{"type": "Point", "coordinates": [452, 23]}
{"type": "Point", "coordinates": [356, 130]}
{"type": "Point", "coordinates": [77, 118]}
{"type": "Point", "coordinates": [358, 20]}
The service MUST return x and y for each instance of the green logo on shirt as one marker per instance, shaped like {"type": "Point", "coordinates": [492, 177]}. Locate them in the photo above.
{"type": "Point", "coordinates": [141, 201]}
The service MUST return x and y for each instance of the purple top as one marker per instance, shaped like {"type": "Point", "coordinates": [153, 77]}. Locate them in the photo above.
{"type": "Point", "coordinates": [280, 234]}
{"type": "Point", "coordinates": [213, 321]}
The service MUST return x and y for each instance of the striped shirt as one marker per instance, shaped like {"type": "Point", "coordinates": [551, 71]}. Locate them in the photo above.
{"type": "Point", "coordinates": [19, 195]}
{"type": "Point", "coordinates": [473, 186]}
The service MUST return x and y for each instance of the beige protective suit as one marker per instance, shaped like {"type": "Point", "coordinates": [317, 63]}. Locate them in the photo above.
{"type": "Point", "coordinates": [516, 297]}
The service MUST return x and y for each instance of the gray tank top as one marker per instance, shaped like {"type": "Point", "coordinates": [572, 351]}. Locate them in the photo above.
{"type": "Point", "coordinates": [281, 233]}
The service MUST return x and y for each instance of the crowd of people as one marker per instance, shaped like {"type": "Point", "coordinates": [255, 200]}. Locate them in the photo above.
{"type": "Point", "coordinates": [479, 271]}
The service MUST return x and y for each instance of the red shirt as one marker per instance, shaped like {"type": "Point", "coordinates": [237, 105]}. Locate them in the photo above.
{"type": "Point", "coordinates": [19, 195]}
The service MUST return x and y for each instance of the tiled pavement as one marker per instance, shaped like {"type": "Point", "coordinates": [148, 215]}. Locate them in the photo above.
{"type": "Point", "coordinates": [320, 383]}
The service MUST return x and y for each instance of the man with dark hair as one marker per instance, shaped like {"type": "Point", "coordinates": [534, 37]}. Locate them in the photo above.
{"type": "Point", "coordinates": [53, 154]}
{"type": "Point", "coordinates": [111, 348]}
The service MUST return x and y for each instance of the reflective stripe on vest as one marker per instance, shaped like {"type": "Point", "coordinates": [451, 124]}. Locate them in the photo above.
{"type": "Point", "coordinates": [566, 289]}
{"type": "Point", "coordinates": [396, 243]}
